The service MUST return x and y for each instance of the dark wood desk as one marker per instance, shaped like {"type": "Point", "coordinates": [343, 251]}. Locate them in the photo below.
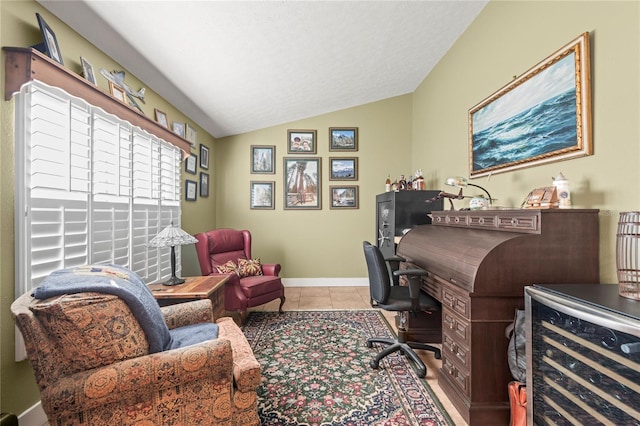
{"type": "Point", "coordinates": [479, 263]}
{"type": "Point", "coordinates": [194, 288]}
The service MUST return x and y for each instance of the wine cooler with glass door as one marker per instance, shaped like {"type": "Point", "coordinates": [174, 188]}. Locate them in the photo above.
{"type": "Point", "coordinates": [583, 355]}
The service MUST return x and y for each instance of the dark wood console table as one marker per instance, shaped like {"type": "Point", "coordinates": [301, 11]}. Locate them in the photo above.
{"type": "Point", "coordinates": [479, 264]}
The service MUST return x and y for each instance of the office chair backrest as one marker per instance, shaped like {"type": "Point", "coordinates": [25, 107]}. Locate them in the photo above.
{"type": "Point", "coordinates": [379, 282]}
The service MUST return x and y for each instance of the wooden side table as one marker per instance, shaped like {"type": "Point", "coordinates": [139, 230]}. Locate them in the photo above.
{"type": "Point", "coordinates": [210, 287]}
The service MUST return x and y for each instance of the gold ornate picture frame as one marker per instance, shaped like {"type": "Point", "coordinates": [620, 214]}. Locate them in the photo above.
{"type": "Point", "coordinates": [540, 117]}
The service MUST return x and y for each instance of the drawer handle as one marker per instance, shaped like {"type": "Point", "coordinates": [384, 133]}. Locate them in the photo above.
{"type": "Point", "coordinates": [453, 372]}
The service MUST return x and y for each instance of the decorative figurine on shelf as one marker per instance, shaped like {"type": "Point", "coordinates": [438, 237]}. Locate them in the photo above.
{"type": "Point", "coordinates": [117, 78]}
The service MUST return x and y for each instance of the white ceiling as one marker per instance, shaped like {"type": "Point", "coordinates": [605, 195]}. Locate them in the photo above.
{"type": "Point", "coordinates": [238, 66]}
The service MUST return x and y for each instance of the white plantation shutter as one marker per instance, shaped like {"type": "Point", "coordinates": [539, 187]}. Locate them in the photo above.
{"type": "Point", "coordinates": [90, 188]}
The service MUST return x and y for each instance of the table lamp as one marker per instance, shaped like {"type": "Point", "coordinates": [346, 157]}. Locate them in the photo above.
{"type": "Point", "coordinates": [172, 236]}
{"type": "Point", "coordinates": [461, 182]}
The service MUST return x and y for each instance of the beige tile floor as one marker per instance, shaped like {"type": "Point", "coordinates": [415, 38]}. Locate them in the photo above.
{"type": "Point", "coordinates": [309, 298]}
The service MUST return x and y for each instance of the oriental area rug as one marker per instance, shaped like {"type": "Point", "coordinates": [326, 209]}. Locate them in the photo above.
{"type": "Point", "coordinates": [315, 367]}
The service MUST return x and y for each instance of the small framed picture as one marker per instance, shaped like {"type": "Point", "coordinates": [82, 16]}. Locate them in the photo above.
{"type": "Point", "coordinates": [301, 142]}
{"type": "Point", "coordinates": [343, 168]}
{"type": "Point", "coordinates": [344, 197]}
{"type": "Point", "coordinates": [190, 190]}
{"type": "Point", "coordinates": [178, 129]}
{"type": "Point", "coordinates": [87, 71]}
{"type": "Point", "coordinates": [161, 118]}
{"type": "Point", "coordinates": [302, 183]}
{"type": "Point", "coordinates": [263, 159]}
{"type": "Point", "coordinates": [191, 133]}
{"type": "Point", "coordinates": [49, 45]}
{"type": "Point", "coordinates": [204, 184]}
{"type": "Point", "coordinates": [204, 157]}
{"type": "Point", "coordinates": [343, 139]}
{"type": "Point", "coordinates": [191, 164]}
{"type": "Point", "coordinates": [117, 92]}
{"type": "Point", "coordinates": [262, 195]}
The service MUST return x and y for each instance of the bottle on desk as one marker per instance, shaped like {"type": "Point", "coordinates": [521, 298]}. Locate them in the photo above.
{"type": "Point", "coordinates": [418, 182]}
{"type": "Point", "coordinates": [387, 184]}
{"type": "Point", "coordinates": [402, 183]}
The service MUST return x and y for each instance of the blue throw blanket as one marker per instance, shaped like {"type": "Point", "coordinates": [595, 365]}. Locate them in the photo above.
{"type": "Point", "coordinates": [128, 286]}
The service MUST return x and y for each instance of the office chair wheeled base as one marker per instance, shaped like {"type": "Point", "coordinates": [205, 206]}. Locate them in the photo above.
{"type": "Point", "coordinates": [407, 349]}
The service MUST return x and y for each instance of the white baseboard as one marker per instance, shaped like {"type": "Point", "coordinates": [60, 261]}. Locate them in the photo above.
{"type": "Point", "coordinates": [33, 416]}
{"type": "Point", "coordinates": [325, 282]}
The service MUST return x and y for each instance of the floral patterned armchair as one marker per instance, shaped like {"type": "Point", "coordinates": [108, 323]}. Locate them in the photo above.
{"type": "Point", "coordinates": [92, 364]}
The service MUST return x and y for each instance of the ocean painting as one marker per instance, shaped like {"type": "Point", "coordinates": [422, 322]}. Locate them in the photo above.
{"type": "Point", "coordinates": [537, 119]}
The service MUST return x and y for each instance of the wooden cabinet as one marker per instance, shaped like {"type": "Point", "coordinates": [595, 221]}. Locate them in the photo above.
{"type": "Point", "coordinates": [397, 211]}
{"type": "Point", "coordinates": [479, 263]}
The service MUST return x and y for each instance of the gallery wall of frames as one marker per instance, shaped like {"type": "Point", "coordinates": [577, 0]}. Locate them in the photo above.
{"type": "Point", "coordinates": [302, 171]}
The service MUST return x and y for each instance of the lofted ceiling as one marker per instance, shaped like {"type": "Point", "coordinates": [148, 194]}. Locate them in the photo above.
{"type": "Point", "coordinates": [238, 66]}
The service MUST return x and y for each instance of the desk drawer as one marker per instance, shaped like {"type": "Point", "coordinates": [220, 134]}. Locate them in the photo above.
{"type": "Point", "coordinates": [431, 286]}
{"type": "Point", "coordinates": [457, 301]}
{"type": "Point", "coordinates": [457, 375]}
{"type": "Point", "coordinates": [457, 328]}
{"type": "Point", "coordinates": [454, 350]}
{"type": "Point", "coordinates": [496, 220]}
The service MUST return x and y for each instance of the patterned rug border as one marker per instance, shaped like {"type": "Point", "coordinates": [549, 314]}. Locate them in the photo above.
{"type": "Point", "coordinates": [436, 401]}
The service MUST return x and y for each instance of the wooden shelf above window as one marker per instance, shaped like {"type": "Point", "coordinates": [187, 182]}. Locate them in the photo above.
{"type": "Point", "coordinates": [25, 64]}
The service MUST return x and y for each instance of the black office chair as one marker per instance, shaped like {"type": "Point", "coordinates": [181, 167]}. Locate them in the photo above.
{"type": "Point", "coordinates": [399, 299]}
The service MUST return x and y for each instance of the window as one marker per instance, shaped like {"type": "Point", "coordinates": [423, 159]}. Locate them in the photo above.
{"type": "Point", "coordinates": [90, 188]}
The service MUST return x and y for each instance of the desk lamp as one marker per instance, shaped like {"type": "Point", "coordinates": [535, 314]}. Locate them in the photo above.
{"type": "Point", "coordinates": [461, 182]}
{"type": "Point", "coordinates": [172, 236]}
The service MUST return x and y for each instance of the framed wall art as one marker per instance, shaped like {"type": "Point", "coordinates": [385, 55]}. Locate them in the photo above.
{"type": "Point", "coordinates": [301, 142]}
{"type": "Point", "coordinates": [190, 190]}
{"type": "Point", "coordinates": [161, 118]}
{"type": "Point", "coordinates": [87, 71]}
{"type": "Point", "coordinates": [263, 159]}
{"type": "Point", "coordinates": [117, 92]}
{"type": "Point", "coordinates": [191, 133]}
{"type": "Point", "coordinates": [49, 45]}
{"type": "Point", "coordinates": [343, 168]}
{"type": "Point", "coordinates": [302, 183]}
{"type": "Point", "coordinates": [204, 157]}
{"type": "Point", "coordinates": [344, 197]}
{"type": "Point", "coordinates": [191, 164]}
{"type": "Point", "coordinates": [178, 128]}
{"type": "Point", "coordinates": [262, 195]}
{"type": "Point", "coordinates": [540, 117]}
{"type": "Point", "coordinates": [204, 184]}
{"type": "Point", "coordinates": [343, 139]}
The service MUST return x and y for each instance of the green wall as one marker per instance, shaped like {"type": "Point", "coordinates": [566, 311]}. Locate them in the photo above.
{"type": "Point", "coordinates": [19, 28]}
{"type": "Point", "coordinates": [316, 243]}
{"type": "Point", "coordinates": [505, 40]}
{"type": "Point", "coordinates": [426, 129]}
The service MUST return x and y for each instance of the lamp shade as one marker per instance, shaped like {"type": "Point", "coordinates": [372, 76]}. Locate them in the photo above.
{"type": "Point", "coordinates": [458, 181]}
{"type": "Point", "coordinates": [172, 236]}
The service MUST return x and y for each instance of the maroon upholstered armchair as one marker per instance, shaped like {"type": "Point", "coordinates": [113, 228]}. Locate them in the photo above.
{"type": "Point", "coordinates": [217, 248]}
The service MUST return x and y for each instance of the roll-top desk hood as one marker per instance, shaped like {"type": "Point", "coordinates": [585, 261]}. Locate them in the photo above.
{"type": "Point", "coordinates": [479, 264]}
